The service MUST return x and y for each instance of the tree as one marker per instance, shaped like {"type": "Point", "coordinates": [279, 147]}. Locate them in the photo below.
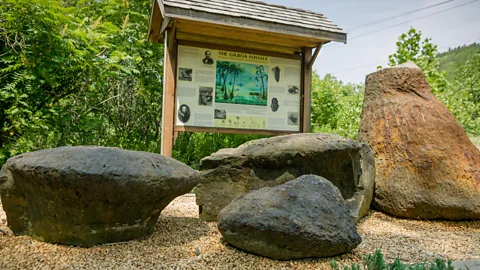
{"type": "Point", "coordinates": [47, 55]}
{"type": "Point", "coordinates": [235, 70]}
{"type": "Point", "coordinates": [455, 96]}
{"type": "Point", "coordinates": [261, 76]}
{"type": "Point", "coordinates": [223, 68]}
{"type": "Point", "coordinates": [410, 47]}
{"type": "Point", "coordinates": [336, 107]}
{"type": "Point", "coordinates": [82, 74]}
{"type": "Point", "coordinates": [466, 101]}
{"type": "Point", "coordinates": [468, 77]}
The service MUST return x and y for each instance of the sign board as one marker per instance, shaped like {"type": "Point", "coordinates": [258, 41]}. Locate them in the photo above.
{"type": "Point", "coordinates": [236, 90]}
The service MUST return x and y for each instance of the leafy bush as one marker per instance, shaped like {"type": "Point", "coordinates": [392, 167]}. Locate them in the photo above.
{"type": "Point", "coordinates": [336, 107]}
{"type": "Point", "coordinates": [190, 148]}
{"type": "Point", "coordinates": [76, 73]}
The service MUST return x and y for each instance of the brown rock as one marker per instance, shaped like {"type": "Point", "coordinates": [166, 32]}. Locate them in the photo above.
{"type": "Point", "coordinates": [426, 166]}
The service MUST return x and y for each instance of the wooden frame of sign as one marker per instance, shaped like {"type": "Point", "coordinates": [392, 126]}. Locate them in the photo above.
{"type": "Point", "coordinates": [186, 38]}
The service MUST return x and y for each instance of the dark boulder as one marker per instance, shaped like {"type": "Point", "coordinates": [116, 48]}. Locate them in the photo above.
{"type": "Point", "coordinates": [90, 195]}
{"type": "Point", "coordinates": [426, 166]}
{"type": "Point", "coordinates": [306, 217]}
{"type": "Point", "coordinates": [229, 173]}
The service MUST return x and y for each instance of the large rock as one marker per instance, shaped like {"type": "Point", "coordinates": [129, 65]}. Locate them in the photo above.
{"type": "Point", "coordinates": [306, 217]}
{"type": "Point", "coordinates": [90, 195]}
{"type": "Point", "coordinates": [229, 173]}
{"type": "Point", "coordinates": [426, 166]}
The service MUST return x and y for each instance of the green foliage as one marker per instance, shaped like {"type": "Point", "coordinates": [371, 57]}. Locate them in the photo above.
{"type": "Point", "coordinates": [78, 72]}
{"type": "Point", "coordinates": [468, 77]}
{"type": "Point", "coordinates": [454, 58]}
{"type": "Point", "coordinates": [459, 96]}
{"type": "Point", "coordinates": [467, 94]}
{"type": "Point", "coordinates": [410, 47]}
{"type": "Point", "coordinates": [190, 148]}
{"type": "Point", "coordinates": [336, 107]}
{"type": "Point", "coordinates": [375, 261]}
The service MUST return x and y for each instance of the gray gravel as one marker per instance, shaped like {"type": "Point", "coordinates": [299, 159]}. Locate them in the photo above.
{"type": "Point", "coordinates": [181, 241]}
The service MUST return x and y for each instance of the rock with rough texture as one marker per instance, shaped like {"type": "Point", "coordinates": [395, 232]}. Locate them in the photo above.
{"type": "Point", "coordinates": [90, 195]}
{"type": "Point", "coordinates": [426, 166]}
{"type": "Point", "coordinates": [229, 173]}
{"type": "Point", "coordinates": [306, 217]}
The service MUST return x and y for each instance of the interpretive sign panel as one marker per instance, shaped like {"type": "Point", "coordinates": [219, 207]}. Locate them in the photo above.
{"type": "Point", "coordinates": [225, 89]}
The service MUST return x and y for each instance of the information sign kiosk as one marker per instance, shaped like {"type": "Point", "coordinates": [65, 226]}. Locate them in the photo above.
{"type": "Point", "coordinates": [237, 66]}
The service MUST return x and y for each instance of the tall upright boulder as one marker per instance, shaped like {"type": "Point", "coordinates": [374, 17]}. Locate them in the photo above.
{"type": "Point", "coordinates": [426, 166]}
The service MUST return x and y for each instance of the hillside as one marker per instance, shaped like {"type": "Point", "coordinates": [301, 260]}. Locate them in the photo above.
{"type": "Point", "coordinates": [454, 58]}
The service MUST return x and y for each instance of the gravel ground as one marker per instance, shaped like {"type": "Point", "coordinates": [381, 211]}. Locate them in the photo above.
{"type": "Point", "coordinates": [181, 241]}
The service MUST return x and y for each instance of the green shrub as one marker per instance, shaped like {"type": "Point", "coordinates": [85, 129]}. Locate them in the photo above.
{"type": "Point", "coordinates": [375, 261]}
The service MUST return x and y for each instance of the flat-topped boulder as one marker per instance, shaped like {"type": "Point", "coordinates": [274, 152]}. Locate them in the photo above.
{"type": "Point", "coordinates": [89, 195]}
{"type": "Point", "coordinates": [426, 166]}
{"type": "Point", "coordinates": [229, 173]}
{"type": "Point", "coordinates": [306, 217]}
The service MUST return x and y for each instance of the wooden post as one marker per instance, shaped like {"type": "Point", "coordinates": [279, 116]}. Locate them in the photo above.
{"type": "Point", "coordinates": [168, 105]}
{"type": "Point", "coordinates": [307, 89]}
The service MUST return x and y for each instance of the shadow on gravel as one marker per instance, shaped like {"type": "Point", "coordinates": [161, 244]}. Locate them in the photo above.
{"type": "Point", "coordinates": [174, 231]}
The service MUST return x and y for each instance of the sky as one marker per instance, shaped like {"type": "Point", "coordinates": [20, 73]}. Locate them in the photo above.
{"type": "Point", "coordinates": [361, 56]}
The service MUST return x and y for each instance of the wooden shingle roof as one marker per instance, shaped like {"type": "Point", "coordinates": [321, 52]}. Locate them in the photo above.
{"type": "Point", "coordinates": [311, 27]}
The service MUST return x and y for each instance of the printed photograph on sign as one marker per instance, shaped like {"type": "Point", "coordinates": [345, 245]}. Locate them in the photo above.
{"type": "Point", "coordinates": [184, 113]}
{"type": "Point", "coordinates": [293, 119]}
{"type": "Point", "coordinates": [208, 60]}
{"type": "Point", "coordinates": [276, 73]}
{"type": "Point", "coordinates": [292, 89]}
{"type": "Point", "coordinates": [185, 74]}
{"type": "Point", "coordinates": [220, 114]}
{"type": "Point", "coordinates": [274, 106]}
{"type": "Point", "coordinates": [205, 96]}
{"type": "Point", "coordinates": [241, 83]}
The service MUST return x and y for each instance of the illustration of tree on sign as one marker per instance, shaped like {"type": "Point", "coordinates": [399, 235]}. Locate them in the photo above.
{"type": "Point", "coordinates": [235, 71]}
{"type": "Point", "coordinates": [261, 76]}
{"type": "Point", "coordinates": [223, 68]}
{"type": "Point", "coordinates": [241, 83]}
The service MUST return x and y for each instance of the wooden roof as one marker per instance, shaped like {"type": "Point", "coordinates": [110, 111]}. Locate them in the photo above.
{"type": "Point", "coordinates": [283, 29]}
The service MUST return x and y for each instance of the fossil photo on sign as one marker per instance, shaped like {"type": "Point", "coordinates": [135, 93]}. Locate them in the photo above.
{"type": "Point", "coordinates": [185, 74]}
{"type": "Point", "coordinates": [276, 73]}
{"type": "Point", "coordinates": [184, 113]}
{"type": "Point", "coordinates": [292, 89]}
{"type": "Point", "coordinates": [292, 119]}
{"type": "Point", "coordinates": [274, 106]}
{"type": "Point", "coordinates": [205, 96]}
{"type": "Point", "coordinates": [220, 114]}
